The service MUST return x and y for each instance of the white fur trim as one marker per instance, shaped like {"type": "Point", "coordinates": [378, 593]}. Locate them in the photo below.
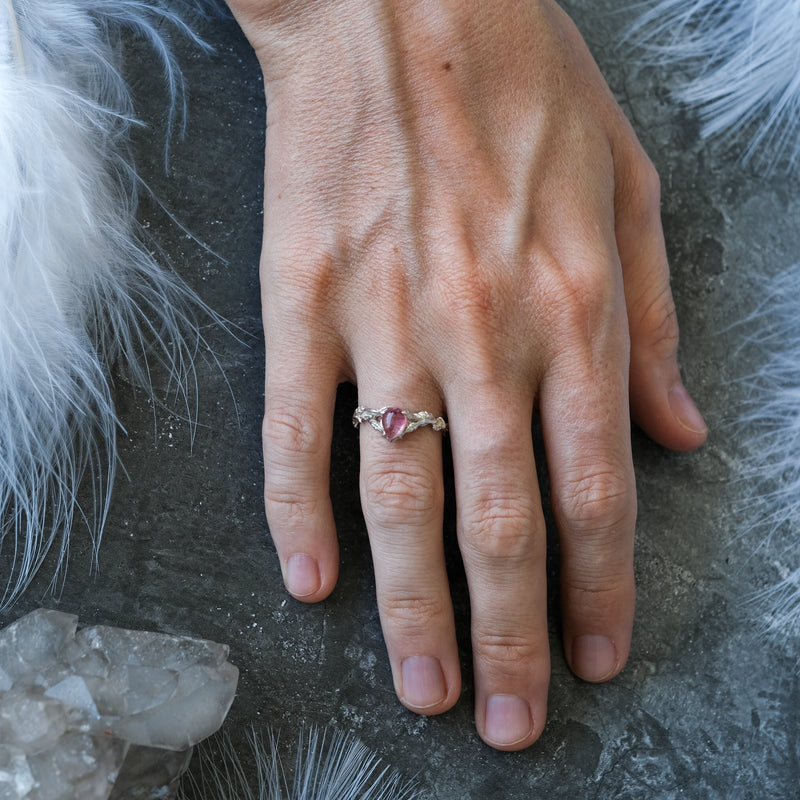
{"type": "Point", "coordinates": [78, 290]}
{"type": "Point", "coordinates": [743, 60]}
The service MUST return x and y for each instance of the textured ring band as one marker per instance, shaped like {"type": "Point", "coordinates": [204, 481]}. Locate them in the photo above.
{"type": "Point", "coordinates": [394, 423]}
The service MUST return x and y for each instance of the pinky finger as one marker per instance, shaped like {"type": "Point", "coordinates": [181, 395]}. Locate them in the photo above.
{"type": "Point", "coordinates": [296, 437]}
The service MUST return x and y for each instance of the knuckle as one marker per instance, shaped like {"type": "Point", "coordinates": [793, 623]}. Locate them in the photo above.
{"type": "Point", "coordinates": [651, 182]}
{"type": "Point", "coordinates": [505, 652]}
{"type": "Point", "coordinates": [597, 500]}
{"type": "Point", "coordinates": [303, 286]}
{"type": "Point", "coordinates": [397, 495]}
{"type": "Point", "coordinates": [298, 262]}
{"type": "Point", "coordinates": [498, 515]}
{"type": "Point", "coordinates": [293, 446]}
{"type": "Point", "coordinates": [466, 294]}
{"type": "Point", "coordinates": [595, 587]}
{"type": "Point", "coordinates": [288, 435]}
{"type": "Point", "coordinates": [287, 506]}
{"type": "Point", "coordinates": [414, 612]}
{"type": "Point", "coordinates": [648, 182]}
{"type": "Point", "coordinates": [581, 299]}
{"type": "Point", "coordinates": [500, 527]}
{"type": "Point", "coordinates": [468, 297]}
{"type": "Point", "coordinates": [658, 323]}
{"type": "Point", "coordinates": [642, 186]}
{"type": "Point", "coordinates": [600, 592]}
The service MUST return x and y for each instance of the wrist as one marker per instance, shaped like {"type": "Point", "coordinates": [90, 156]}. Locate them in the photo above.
{"type": "Point", "coordinates": [319, 38]}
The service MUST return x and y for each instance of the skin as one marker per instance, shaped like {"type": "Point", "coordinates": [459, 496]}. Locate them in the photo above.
{"type": "Point", "coordinates": [459, 219]}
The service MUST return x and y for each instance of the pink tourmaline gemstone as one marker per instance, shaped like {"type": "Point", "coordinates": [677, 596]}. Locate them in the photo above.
{"type": "Point", "coordinates": [394, 423]}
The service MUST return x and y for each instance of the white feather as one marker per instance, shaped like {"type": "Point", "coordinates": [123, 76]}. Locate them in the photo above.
{"type": "Point", "coordinates": [743, 60]}
{"type": "Point", "coordinates": [79, 292]}
{"type": "Point", "coordinates": [767, 428]}
{"type": "Point", "coordinates": [341, 768]}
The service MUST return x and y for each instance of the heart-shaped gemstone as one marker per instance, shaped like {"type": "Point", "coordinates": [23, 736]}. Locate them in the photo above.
{"type": "Point", "coordinates": [394, 423]}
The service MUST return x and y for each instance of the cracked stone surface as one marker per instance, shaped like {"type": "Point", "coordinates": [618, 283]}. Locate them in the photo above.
{"type": "Point", "coordinates": [103, 712]}
{"type": "Point", "coordinates": [706, 707]}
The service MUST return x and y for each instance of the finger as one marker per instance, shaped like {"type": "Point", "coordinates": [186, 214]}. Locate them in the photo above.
{"type": "Point", "coordinates": [502, 539]}
{"type": "Point", "coordinates": [659, 401]}
{"type": "Point", "coordinates": [402, 497]}
{"type": "Point", "coordinates": [298, 411]}
{"type": "Point", "coordinates": [585, 422]}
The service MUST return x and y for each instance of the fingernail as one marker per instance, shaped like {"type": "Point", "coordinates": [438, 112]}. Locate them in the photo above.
{"type": "Point", "coordinates": [684, 409]}
{"type": "Point", "coordinates": [594, 658]}
{"type": "Point", "coordinates": [423, 682]}
{"type": "Point", "coordinates": [302, 575]}
{"type": "Point", "coordinates": [508, 719]}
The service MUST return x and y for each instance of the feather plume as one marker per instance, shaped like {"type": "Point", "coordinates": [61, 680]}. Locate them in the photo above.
{"type": "Point", "coordinates": [79, 291]}
{"type": "Point", "coordinates": [768, 428]}
{"type": "Point", "coordinates": [341, 768]}
{"type": "Point", "coordinates": [743, 62]}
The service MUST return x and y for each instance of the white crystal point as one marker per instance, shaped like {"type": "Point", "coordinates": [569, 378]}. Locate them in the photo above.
{"type": "Point", "coordinates": [31, 642]}
{"type": "Point", "coordinates": [103, 712]}
{"type": "Point", "coordinates": [165, 691]}
{"type": "Point", "coordinates": [72, 692]}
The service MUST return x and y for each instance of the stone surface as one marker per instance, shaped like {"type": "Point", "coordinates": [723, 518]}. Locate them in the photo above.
{"type": "Point", "coordinates": [705, 709]}
{"type": "Point", "coordinates": [103, 712]}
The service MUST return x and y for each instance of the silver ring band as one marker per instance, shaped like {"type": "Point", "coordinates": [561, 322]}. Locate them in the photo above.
{"type": "Point", "coordinates": [394, 423]}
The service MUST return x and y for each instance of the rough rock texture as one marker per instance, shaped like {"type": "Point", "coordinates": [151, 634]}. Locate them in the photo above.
{"type": "Point", "coordinates": [103, 712]}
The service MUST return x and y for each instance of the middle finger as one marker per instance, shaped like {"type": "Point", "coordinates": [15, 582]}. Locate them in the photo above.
{"type": "Point", "coordinates": [502, 538]}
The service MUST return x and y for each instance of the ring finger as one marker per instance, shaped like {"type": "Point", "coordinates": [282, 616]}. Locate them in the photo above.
{"type": "Point", "coordinates": [402, 497]}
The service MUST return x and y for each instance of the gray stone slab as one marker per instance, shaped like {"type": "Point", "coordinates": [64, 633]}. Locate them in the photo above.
{"type": "Point", "coordinates": [706, 708]}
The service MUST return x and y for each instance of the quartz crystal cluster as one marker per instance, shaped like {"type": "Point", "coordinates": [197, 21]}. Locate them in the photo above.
{"type": "Point", "coordinates": [103, 712]}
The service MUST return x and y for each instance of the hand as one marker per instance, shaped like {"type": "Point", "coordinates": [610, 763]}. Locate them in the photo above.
{"type": "Point", "coordinates": [459, 219]}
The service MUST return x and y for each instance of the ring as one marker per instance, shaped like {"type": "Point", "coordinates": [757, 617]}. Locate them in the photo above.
{"type": "Point", "coordinates": [394, 423]}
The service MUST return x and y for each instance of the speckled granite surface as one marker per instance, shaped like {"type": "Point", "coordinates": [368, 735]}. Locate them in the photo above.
{"type": "Point", "coordinates": [706, 708]}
